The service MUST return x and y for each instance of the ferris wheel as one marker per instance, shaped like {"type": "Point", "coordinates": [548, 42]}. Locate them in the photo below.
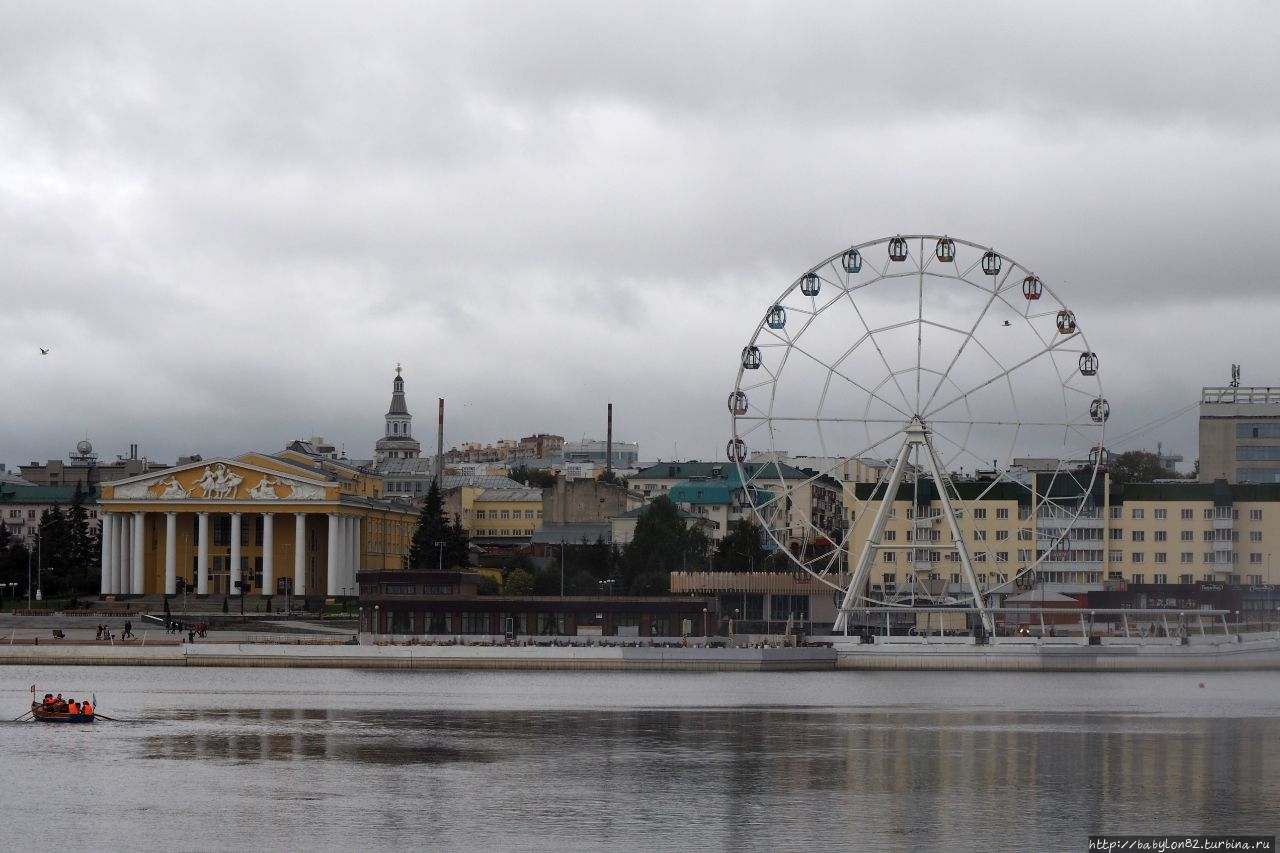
{"type": "Point", "coordinates": [946, 377]}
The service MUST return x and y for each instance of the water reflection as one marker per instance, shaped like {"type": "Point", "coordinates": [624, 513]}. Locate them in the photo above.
{"type": "Point", "coordinates": [606, 762]}
{"type": "Point", "coordinates": [285, 734]}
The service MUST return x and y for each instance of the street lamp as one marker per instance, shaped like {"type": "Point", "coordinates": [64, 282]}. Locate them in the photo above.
{"type": "Point", "coordinates": [704, 626]}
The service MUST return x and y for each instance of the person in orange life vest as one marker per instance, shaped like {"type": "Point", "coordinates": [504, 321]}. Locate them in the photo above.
{"type": "Point", "coordinates": [73, 707]}
{"type": "Point", "coordinates": [86, 708]}
{"type": "Point", "coordinates": [48, 700]}
{"type": "Point", "coordinates": [59, 704]}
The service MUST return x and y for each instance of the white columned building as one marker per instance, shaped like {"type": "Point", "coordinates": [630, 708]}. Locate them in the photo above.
{"type": "Point", "coordinates": [160, 526]}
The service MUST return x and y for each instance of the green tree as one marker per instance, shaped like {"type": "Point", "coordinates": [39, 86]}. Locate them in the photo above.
{"type": "Point", "coordinates": [741, 550]}
{"type": "Point", "coordinates": [1139, 466]}
{"type": "Point", "coordinates": [518, 582]}
{"type": "Point", "coordinates": [540, 478]}
{"type": "Point", "coordinates": [662, 544]}
{"type": "Point", "coordinates": [611, 476]}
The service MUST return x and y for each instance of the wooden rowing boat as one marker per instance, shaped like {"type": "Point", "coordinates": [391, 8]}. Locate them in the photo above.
{"type": "Point", "coordinates": [46, 716]}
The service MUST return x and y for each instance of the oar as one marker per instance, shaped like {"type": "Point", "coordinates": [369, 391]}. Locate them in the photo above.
{"type": "Point", "coordinates": [18, 718]}
{"type": "Point", "coordinates": [96, 716]}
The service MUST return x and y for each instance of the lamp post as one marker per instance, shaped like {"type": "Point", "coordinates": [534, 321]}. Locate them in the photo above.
{"type": "Point", "coordinates": [704, 626]}
{"type": "Point", "coordinates": [440, 556]}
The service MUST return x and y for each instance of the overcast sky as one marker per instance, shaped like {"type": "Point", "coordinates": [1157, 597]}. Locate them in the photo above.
{"type": "Point", "coordinates": [229, 221]}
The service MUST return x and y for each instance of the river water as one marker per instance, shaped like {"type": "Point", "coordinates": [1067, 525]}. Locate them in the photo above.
{"type": "Point", "coordinates": [320, 760]}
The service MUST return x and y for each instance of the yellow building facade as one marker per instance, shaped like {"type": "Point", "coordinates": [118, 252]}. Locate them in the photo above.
{"type": "Point", "coordinates": [1138, 533]}
{"type": "Point", "coordinates": [277, 524]}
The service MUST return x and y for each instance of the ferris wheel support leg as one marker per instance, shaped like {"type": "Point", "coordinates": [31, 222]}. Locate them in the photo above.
{"type": "Point", "coordinates": [965, 563]}
{"type": "Point", "coordinates": [871, 547]}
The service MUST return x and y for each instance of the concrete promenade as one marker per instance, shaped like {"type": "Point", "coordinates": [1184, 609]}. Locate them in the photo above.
{"type": "Point", "coordinates": [29, 640]}
{"type": "Point", "coordinates": [268, 642]}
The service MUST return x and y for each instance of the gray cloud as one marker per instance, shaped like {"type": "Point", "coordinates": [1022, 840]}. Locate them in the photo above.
{"type": "Point", "coordinates": [230, 221]}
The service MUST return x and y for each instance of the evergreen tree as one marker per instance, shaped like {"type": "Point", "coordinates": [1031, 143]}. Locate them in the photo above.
{"type": "Point", "coordinates": [437, 541]}
{"type": "Point", "coordinates": [83, 551]}
{"type": "Point", "coordinates": [432, 532]}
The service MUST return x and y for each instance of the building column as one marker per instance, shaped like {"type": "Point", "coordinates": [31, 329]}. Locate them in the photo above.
{"type": "Point", "coordinates": [334, 555]}
{"type": "Point", "coordinates": [170, 553]}
{"type": "Point", "coordinates": [120, 574]}
{"type": "Point", "coordinates": [356, 548]}
{"type": "Point", "coordinates": [108, 552]}
{"type": "Point", "coordinates": [202, 555]}
{"type": "Point", "coordinates": [299, 553]}
{"type": "Point", "coordinates": [138, 540]}
{"type": "Point", "coordinates": [268, 554]}
{"type": "Point", "coordinates": [234, 573]}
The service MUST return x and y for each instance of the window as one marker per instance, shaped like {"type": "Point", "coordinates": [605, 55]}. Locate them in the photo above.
{"type": "Point", "coordinates": [1208, 515]}
{"type": "Point", "coordinates": [1002, 512]}
{"type": "Point", "coordinates": [1255, 580]}
{"type": "Point", "coordinates": [1186, 578]}
{"type": "Point", "coordinates": [1139, 578]}
{"type": "Point", "coordinates": [1161, 557]}
{"type": "Point", "coordinates": [1161, 579]}
{"type": "Point", "coordinates": [890, 535]}
{"type": "Point", "coordinates": [889, 579]}
{"type": "Point", "coordinates": [955, 577]}
{"type": "Point", "coordinates": [1255, 558]}
{"type": "Point", "coordinates": [1162, 514]}
{"type": "Point", "coordinates": [1024, 555]}
{"type": "Point", "coordinates": [980, 512]}
{"type": "Point", "coordinates": [1002, 556]}
{"type": "Point", "coordinates": [1138, 557]}
{"type": "Point", "coordinates": [1255, 535]}
{"type": "Point", "coordinates": [1187, 515]}
{"type": "Point", "coordinates": [1002, 535]}
{"type": "Point", "coordinates": [1115, 556]}
{"type": "Point", "coordinates": [890, 557]}
{"type": "Point", "coordinates": [1117, 533]}
{"type": "Point", "coordinates": [1024, 534]}
{"type": "Point", "coordinates": [1116, 512]}
{"type": "Point", "coordinates": [1186, 557]}
{"type": "Point", "coordinates": [1255, 515]}
{"type": "Point", "coordinates": [1139, 536]}
{"type": "Point", "coordinates": [1162, 535]}
{"type": "Point", "coordinates": [1188, 536]}
{"type": "Point", "coordinates": [1138, 513]}
{"type": "Point", "coordinates": [980, 536]}
{"type": "Point", "coordinates": [1115, 576]}
{"type": "Point", "coordinates": [506, 514]}
{"type": "Point", "coordinates": [399, 589]}
{"type": "Point", "coordinates": [528, 514]}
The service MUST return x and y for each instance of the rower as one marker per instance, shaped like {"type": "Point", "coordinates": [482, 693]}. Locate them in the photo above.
{"type": "Point", "coordinates": [87, 708]}
{"type": "Point", "coordinates": [73, 707]}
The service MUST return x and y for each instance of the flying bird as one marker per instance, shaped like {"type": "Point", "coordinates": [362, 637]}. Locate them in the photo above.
{"type": "Point", "coordinates": [44, 350]}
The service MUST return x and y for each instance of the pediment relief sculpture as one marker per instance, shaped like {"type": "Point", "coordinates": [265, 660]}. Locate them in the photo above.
{"type": "Point", "coordinates": [217, 481]}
